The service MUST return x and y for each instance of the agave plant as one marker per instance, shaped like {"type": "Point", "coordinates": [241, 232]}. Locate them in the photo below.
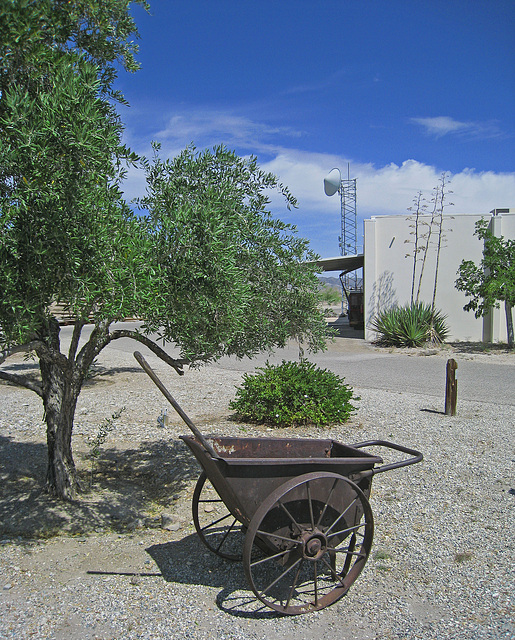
{"type": "Point", "coordinates": [410, 326]}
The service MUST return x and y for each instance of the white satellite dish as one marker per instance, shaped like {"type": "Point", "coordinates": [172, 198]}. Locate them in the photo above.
{"type": "Point", "coordinates": [332, 182]}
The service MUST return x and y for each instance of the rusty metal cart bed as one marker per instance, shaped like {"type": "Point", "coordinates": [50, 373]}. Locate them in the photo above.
{"type": "Point", "coordinates": [295, 511]}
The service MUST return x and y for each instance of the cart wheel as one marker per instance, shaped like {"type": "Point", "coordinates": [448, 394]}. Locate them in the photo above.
{"type": "Point", "coordinates": [318, 529]}
{"type": "Point", "coordinates": [218, 529]}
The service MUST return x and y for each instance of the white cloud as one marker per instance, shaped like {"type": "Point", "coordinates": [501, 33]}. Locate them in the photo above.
{"type": "Point", "coordinates": [208, 127]}
{"type": "Point", "coordinates": [444, 125]}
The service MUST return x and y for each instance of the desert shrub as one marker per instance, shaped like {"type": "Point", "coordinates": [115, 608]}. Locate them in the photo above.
{"type": "Point", "coordinates": [329, 295]}
{"type": "Point", "coordinates": [410, 326]}
{"type": "Point", "coordinates": [293, 394]}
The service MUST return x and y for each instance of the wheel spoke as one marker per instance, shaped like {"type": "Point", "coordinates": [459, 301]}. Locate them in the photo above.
{"type": "Point", "coordinates": [267, 558]}
{"type": "Point", "coordinates": [342, 515]}
{"type": "Point", "coordinates": [335, 575]}
{"type": "Point", "coordinates": [348, 558]}
{"type": "Point", "coordinates": [226, 534]}
{"type": "Point", "coordinates": [310, 502]}
{"type": "Point", "coordinates": [289, 516]}
{"type": "Point", "coordinates": [275, 535]}
{"type": "Point", "coordinates": [348, 530]}
{"type": "Point", "coordinates": [294, 584]}
{"type": "Point", "coordinates": [215, 522]}
{"type": "Point", "coordinates": [272, 584]}
{"type": "Point", "coordinates": [315, 582]}
{"type": "Point", "coordinates": [349, 552]}
{"type": "Point", "coordinates": [327, 502]}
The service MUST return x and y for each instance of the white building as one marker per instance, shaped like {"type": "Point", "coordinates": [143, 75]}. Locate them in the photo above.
{"type": "Point", "coordinates": [388, 270]}
{"type": "Point", "coordinates": [387, 260]}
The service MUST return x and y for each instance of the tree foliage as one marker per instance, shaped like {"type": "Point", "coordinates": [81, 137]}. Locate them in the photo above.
{"type": "Point", "coordinates": [100, 31]}
{"type": "Point", "coordinates": [222, 261]}
{"type": "Point", "coordinates": [493, 280]}
{"type": "Point", "coordinates": [204, 264]}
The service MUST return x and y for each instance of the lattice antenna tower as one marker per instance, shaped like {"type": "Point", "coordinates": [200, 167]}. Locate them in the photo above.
{"type": "Point", "coordinates": [348, 238]}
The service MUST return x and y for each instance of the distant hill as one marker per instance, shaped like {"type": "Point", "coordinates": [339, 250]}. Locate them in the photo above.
{"type": "Point", "coordinates": [331, 281]}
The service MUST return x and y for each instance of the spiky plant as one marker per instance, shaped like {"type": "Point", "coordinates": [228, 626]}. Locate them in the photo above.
{"type": "Point", "coordinates": [412, 325]}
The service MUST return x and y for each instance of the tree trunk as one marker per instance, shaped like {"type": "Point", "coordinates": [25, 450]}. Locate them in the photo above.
{"type": "Point", "coordinates": [509, 323]}
{"type": "Point", "coordinates": [60, 395]}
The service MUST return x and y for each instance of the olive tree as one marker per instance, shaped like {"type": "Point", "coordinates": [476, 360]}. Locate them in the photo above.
{"type": "Point", "coordinates": [203, 263]}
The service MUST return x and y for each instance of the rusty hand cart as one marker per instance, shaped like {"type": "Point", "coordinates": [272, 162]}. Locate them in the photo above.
{"type": "Point", "coordinates": [294, 511]}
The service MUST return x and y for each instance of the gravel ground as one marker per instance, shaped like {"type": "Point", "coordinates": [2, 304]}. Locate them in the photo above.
{"type": "Point", "coordinates": [441, 564]}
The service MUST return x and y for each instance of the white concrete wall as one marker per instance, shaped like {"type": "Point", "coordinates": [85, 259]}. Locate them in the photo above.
{"type": "Point", "coordinates": [388, 272]}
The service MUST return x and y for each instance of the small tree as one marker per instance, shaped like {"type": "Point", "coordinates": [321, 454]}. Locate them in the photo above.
{"type": "Point", "coordinates": [493, 280]}
{"type": "Point", "coordinates": [205, 265]}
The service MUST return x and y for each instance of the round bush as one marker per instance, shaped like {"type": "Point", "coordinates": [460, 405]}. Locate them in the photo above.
{"type": "Point", "coordinates": [293, 394]}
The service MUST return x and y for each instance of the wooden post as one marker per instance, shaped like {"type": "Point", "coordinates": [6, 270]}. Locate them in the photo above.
{"type": "Point", "coordinates": [451, 388]}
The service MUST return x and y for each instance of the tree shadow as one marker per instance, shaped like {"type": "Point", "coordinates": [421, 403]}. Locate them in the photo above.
{"type": "Point", "coordinates": [97, 373]}
{"type": "Point", "coordinates": [118, 490]}
{"type": "Point", "coordinates": [28, 369]}
{"type": "Point", "coordinates": [480, 347]}
{"type": "Point", "coordinates": [101, 374]}
{"type": "Point", "coordinates": [382, 297]}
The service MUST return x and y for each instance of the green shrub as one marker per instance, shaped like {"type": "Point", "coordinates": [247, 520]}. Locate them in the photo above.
{"type": "Point", "coordinates": [329, 295]}
{"type": "Point", "coordinates": [410, 326]}
{"type": "Point", "coordinates": [293, 394]}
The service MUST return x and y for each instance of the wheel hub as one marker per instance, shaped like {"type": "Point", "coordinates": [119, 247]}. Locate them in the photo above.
{"type": "Point", "coordinates": [314, 545]}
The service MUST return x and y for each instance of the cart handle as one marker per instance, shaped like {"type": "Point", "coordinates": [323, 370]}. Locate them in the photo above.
{"type": "Point", "coordinates": [150, 372]}
{"type": "Point", "coordinates": [417, 456]}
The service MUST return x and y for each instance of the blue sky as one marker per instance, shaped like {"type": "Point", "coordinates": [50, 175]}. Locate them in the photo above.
{"type": "Point", "coordinates": [401, 90]}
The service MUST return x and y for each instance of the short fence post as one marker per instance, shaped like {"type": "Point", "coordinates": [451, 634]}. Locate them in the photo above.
{"type": "Point", "coordinates": [451, 388]}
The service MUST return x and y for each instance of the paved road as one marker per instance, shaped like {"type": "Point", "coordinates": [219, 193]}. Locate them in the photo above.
{"type": "Point", "coordinates": [477, 380]}
{"type": "Point", "coordinates": [485, 378]}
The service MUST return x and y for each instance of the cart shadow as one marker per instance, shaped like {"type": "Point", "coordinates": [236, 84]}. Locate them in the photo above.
{"type": "Point", "coordinates": [186, 561]}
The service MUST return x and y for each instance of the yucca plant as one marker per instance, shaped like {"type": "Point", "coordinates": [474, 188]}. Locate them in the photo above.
{"type": "Point", "coordinates": [410, 326]}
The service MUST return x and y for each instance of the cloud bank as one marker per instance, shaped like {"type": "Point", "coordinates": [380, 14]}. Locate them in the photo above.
{"type": "Point", "coordinates": [381, 190]}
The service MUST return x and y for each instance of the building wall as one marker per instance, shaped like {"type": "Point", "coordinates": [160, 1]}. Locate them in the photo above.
{"type": "Point", "coordinates": [388, 270]}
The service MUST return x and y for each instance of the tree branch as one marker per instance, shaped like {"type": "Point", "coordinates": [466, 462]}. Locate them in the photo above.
{"type": "Point", "coordinates": [160, 353]}
{"type": "Point", "coordinates": [22, 381]}
{"type": "Point", "coordinates": [77, 329]}
{"type": "Point", "coordinates": [98, 339]}
{"type": "Point", "coordinates": [21, 348]}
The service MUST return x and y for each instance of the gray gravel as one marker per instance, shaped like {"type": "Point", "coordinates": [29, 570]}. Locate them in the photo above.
{"type": "Point", "coordinates": [442, 560]}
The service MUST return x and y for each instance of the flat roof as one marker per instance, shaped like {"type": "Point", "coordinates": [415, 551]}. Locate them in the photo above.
{"type": "Point", "coordinates": [341, 263]}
